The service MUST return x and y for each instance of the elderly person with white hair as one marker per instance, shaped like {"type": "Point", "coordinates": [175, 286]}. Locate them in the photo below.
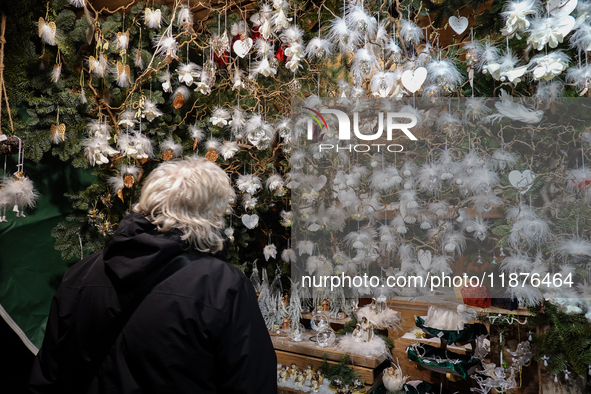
{"type": "Point", "coordinates": [158, 310]}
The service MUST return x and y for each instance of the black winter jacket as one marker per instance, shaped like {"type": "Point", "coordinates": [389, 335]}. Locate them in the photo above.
{"type": "Point", "coordinates": [198, 331]}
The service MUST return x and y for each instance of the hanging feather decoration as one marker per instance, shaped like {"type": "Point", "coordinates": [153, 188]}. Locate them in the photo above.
{"type": "Point", "coordinates": [346, 38]}
{"type": "Point", "coordinates": [319, 48]}
{"type": "Point", "coordinates": [123, 74]}
{"type": "Point", "coordinates": [196, 134]}
{"type": "Point", "coordinates": [19, 190]}
{"type": "Point", "coordinates": [152, 18]}
{"type": "Point", "coordinates": [228, 149]}
{"type": "Point", "coordinates": [444, 73]}
{"type": "Point", "coordinates": [170, 149]}
{"type": "Point", "coordinates": [180, 97]}
{"type": "Point", "coordinates": [410, 33]}
{"type": "Point", "coordinates": [547, 67]}
{"type": "Point", "coordinates": [212, 145]}
{"type": "Point", "coordinates": [56, 73]}
{"type": "Point", "coordinates": [47, 31]}
{"type": "Point", "coordinates": [516, 16]}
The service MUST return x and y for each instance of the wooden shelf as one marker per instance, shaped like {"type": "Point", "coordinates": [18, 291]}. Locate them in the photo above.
{"type": "Point", "coordinates": [308, 352]}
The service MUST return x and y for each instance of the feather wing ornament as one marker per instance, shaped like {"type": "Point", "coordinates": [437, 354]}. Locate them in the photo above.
{"type": "Point", "coordinates": [507, 107]}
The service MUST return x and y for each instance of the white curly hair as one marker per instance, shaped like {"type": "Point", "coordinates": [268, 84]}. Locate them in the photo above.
{"type": "Point", "coordinates": [191, 195]}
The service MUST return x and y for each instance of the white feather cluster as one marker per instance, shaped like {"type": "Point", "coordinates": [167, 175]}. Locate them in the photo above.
{"type": "Point", "coordinates": [516, 263]}
{"type": "Point", "coordinates": [579, 76]}
{"type": "Point", "coordinates": [516, 16]}
{"type": "Point", "coordinates": [274, 182]}
{"type": "Point", "coordinates": [528, 229]}
{"type": "Point", "coordinates": [485, 202]}
{"type": "Point", "coordinates": [184, 15]}
{"type": "Point", "coordinates": [220, 117]}
{"type": "Point", "coordinates": [443, 72]}
{"type": "Point", "coordinates": [477, 227]}
{"type": "Point", "coordinates": [188, 72]}
{"type": "Point", "coordinates": [249, 183]}
{"type": "Point", "coordinates": [164, 79]}
{"type": "Point", "coordinates": [383, 82]}
{"type": "Point", "coordinates": [373, 348]}
{"type": "Point", "coordinates": [20, 191]}
{"type": "Point", "coordinates": [386, 318]}
{"type": "Point", "coordinates": [238, 121]}
{"type": "Point", "coordinates": [136, 146]}
{"type": "Point", "coordinates": [56, 73]}
{"type": "Point", "coordinates": [127, 120]}
{"type": "Point", "coordinates": [116, 183]}
{"type": "Point", "coordinates": [577, 248]}
{"type": "Point", "coordinates": [581, 38]}
{"type": "Point", "coordinates": [364, 63]}
{"type": "Point", "coordinates": [502, 159]}
{"type": "Point", "coordinates": [228, 149]}
{"type": "Point", "coordinates": [319, 48]}
{"type": "Point", "coordinates": [360, 21]}
{"type": "Point", "coordinates": [261, 67]}
{"type": "Point", "coordinates": [47, 31]}
{"type": "Point", "coordinates": [170, 144]}
{"type": "Point", "coordinates": [453, 242]}
{"type": "Point", "coordinates": [476, 108]}
{"type": "Point", "coordinates": [361, 239]}
{"type": "Point", "coordinates": [410, 33]}
{"type": "Point", "coordinates": [346, 38]}
{"type": "Point", "coordinates": [549, 31]}
{"type": "Point", "coordinates": [385, 180]}
{"type": "Point", "coordinates": [166, 45]}
{"type": "Point", "coordinates": [98, 66]}
{"type": "Point", "coordinates": [270, 251]}
{"type": "Point", "coordinates": [150, 111]}
{"type": "Point", "coordinates": [122, 40]}
{"type": "Point", "coordinates": [98, 150]}
{"type": "Point", "coordinates": [549, 92]}
{"type": "Point", "coordinates": [152, 18]}
{"type": "Point", "coordinates": [546, 67]}
{"type": "Point", "coordinates": [259, 132]}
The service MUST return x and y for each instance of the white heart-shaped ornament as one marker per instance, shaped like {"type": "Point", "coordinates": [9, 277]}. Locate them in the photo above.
{"type": "Point", "coordinates": [522, 180]}
{"type": "Point", "coordinates": [413, 80]}
{"type": "Point", "coordinates": [561, 7]}
{"type": "Point", "coordinates": [250, 221]}
{"type": "Point", "coordinates": [425, 258]}
{"type": "Point", "coordinates": [459, 25]}
{"type": "Point", "coordinates": [242, 47]}
{"type": "Point", "coordinates": [318, 182]}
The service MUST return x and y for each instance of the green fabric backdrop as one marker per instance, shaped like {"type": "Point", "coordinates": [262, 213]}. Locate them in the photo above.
{"type": "Point", "coordinates": [30, 268]}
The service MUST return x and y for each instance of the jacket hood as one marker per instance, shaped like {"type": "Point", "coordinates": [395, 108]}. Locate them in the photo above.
{"type": "Point", "coordinates": [137, 249]}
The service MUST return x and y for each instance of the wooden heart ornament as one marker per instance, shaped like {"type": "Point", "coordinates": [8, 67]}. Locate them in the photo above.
{"type": "Point", "coordinates": [413, 80]}
{"type": "Point", "coordinates": [459, 25]}
{"type": "Point", "coordinates": [242, 46]}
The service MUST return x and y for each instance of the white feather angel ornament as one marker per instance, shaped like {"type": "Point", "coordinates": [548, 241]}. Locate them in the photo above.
{"type": "Point", "coordinates": [549, 31]}
{"type": "Point", "coordinates": [228, 149]}
{"type": "Point", "coordinates": [359, 20]}
{"type": "Point", "coordinates": [263, 67]}
{"type": "Point", "coordinates": [220, 117]}
{"type": "Point", "coordinates": [347, 39]}
{"type": "Point", "coordinates": [47, 31]}
{"type": "Point", "coordinates": [164, 79]}
{"type": "Point", "coordinates": [410, 33]}
{"type": "Point", "coordinates": [122, 73]}
{"type": "Point", "coordinates": [249, 183]}
{"type": "Point", "coordinates": [19, 190]}
{"type": "Point", "coordinates": [547, 67]}
{"type": "Point", "coordinates": [270, 251]}
{"type": "Point", "coordinates": [188, 72]}
{"type": "Point", "coordinates": [150, 111]}
{"type": "Point", "coordinates": [98, 66]}
{"type": "Point", "coordinates": [517, 15]}
{"type": "Point", "coordinates": [444, 73]}
{"type": "Point", "coordinates": [152, 18]}
{"type": "Point", "coordinates": [382, 83]}
{"type": "Point", "coordinates": [319, 48]}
